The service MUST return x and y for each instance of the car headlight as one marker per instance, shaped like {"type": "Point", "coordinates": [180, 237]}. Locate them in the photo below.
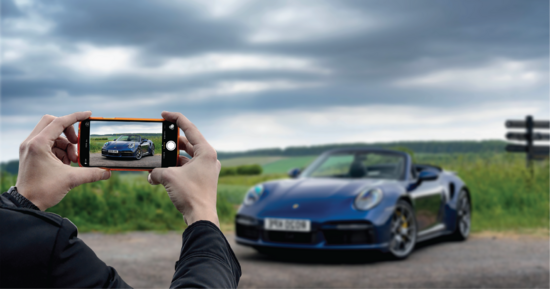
{"type": "Point", "coordinates": [131, 145]}
{"type": "Point", "coordinates": [105, 144]}
{"type": "Point", "coordinates": [253, 195]}
{"type": "Point", "coordinates": [368, 199]}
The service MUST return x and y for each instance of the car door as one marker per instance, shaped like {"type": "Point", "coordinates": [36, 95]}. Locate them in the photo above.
{"type": "Point", "coordinates": [428, 199]}
{"type": "Point", "coordinates": [144, 146]}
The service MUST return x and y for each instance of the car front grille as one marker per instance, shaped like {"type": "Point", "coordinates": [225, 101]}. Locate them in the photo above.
{"type": "Point", "coordinates": [348, 233]}
{"type": "Point", "coordinates": [246, 227]}
{"type": "Point", "coordinates": [119, 154]}
{"type": "Point", "coordinates": [289, 237]}
{"type": "Point", "coordinates": [247, 232]}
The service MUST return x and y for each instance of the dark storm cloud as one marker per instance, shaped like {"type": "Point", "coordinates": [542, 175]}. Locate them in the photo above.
{"type": "Point", "coordinates": [407, 39]}
{"type": "Point", "coordinates": [9, 9]}
{"type": "Point", "coordinates": [159, 28]}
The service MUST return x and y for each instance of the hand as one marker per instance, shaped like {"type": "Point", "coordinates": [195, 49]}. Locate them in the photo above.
{"type": "Point", "coordinates": [192, 185]}
{"type": "Point", "coordinates": [45, 175]}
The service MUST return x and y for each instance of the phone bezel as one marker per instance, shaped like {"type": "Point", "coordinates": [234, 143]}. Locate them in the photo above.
{"type": "Point", "coordinates": [175, 153]}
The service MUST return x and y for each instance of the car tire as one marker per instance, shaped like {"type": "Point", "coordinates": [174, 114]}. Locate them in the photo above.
{"type": "Point", "coordinates": [403, 231]}
{"type": "Point", "coordinates": [463, 217]}
{"type": "Point", "coordinates": [153, 150]}
{"type": "Point", "coordinates": [138, 154]}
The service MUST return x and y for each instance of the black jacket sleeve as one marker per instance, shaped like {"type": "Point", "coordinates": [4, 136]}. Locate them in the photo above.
{"type": "Point", "coordinates": [206, 259]}
{"type": "Point", "coordinates": [75, 265]}
{"type": "Point", "coordinates": [40, 249]}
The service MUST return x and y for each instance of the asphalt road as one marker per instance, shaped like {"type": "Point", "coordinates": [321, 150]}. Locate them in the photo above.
{"type": "Point", "coordinates": [145, 259]}
{"type": "Point", "coordinates": [147, 161]}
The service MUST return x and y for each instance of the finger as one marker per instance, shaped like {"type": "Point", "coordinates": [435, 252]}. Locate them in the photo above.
{"type": "Point", "coordinates": [61, 143]}
{"type": "Point", "coordinates": [71, 152]}
{"type": "Point", "coordinates": [189, 129]}
{"type": "Point", "coordinates": [61, 155]}
{"type": "Point", "coordinates": [155, 177]}
{"type": "Point", "coordinates": [70, 133]}
{"type": "Point", "coordinates": [58, 125]}
{"type": "Point", "coordinates": [87, 175]}
{"type": "Point", "coordinates": [69, 148]}
{"type": "Point", "coordinates": [182, 160]}
{"type": "Point", "coordinates": [186, 146]}
{"type": "Point", "coordinates": [44, 121]}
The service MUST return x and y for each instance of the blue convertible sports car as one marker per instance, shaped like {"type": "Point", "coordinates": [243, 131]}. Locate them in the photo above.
{"type": "Point", "coordinates": [128, 146]}
{"type": "Point", "coordinates": [356, 199]}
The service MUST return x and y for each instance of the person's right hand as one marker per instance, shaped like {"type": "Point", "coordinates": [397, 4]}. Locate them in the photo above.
{"type": "Point", "coordinates": [192, 185]}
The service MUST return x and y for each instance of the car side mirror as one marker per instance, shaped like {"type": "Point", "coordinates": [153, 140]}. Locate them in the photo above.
{"type": "Point", "coordinates": [427, 175]}
{"type": "Point", "coordinates": [293, 173]}
{"type": "Point", "coordinates": [423, 176]}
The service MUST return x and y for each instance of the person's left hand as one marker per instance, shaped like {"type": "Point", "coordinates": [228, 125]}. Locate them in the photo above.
{"type": "Point", "coordinates": [45, 175]}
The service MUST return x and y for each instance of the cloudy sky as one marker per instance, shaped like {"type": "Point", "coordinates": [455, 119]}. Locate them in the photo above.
{"type": "Point", "coordinates": [100, 127]}
{"type": "Point", "coordinates": [256, 74]}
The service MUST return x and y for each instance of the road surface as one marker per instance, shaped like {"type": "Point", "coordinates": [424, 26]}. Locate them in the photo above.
{"type": "Point", "coordinates": [146, 259]}
{"type": "Point", "coordinates": [146, 162]}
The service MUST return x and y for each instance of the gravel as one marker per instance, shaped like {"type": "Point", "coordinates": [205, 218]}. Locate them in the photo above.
{"type": "Point", "coordinates": [146, 260]}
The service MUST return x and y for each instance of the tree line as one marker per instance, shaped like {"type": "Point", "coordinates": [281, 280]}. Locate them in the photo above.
{"type": "Point", "coordinates": [488, 146]}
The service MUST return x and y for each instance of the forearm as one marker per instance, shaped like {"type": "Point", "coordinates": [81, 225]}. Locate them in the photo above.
{"type": "Point", "coordinates": [206, 259]}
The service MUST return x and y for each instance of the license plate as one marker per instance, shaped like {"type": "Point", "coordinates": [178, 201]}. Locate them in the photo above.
{"type": "Point", "coordinates": [113, 151]}
{"type": "Point", "coordinates": [287, 225]}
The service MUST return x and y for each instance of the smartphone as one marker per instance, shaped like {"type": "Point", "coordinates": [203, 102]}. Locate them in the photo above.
{"type": "Point", "coordinates": [127, 144]}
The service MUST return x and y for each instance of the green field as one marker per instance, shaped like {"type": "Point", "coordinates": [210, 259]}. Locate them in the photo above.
{"type": "Point", "coordinates": [505, 195]}
{"type": "Point", "coordinates": [271, 165]}
{"type": "Point", "coordinates": [234, 162]}
{"type": "Point", "coordinates": [97, 141]}
{"type": "Point", "coordinates": [284, 165]}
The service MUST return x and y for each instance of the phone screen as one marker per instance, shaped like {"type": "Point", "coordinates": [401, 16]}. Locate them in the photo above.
{"type": "Point", "coordinates": [128, 144]}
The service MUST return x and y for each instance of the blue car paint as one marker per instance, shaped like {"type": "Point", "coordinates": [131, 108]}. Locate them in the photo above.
{"type": "Point", "coordinates": [123, 147]}
{"type": "Point", "coordinates": [323, 200]}
{"type": "Point", "coordinates": [112, 145]}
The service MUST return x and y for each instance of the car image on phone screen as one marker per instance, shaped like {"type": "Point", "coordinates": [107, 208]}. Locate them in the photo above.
{"type": "Point", "coordinates": [128, 144]}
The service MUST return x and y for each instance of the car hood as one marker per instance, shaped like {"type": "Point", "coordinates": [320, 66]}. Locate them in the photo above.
{"type": "Point", "coordinates": [314, 196]}
{"type": "Point", "coordinates": [119, 144]}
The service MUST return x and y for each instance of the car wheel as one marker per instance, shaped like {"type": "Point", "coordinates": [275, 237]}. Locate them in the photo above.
{"type": "Point", "coordinates": [153, 150]}
{"type": "Point", "coordinates": [403, 231]}
{"type": "Point", "coordinates": [138, 154]}
{"type": "Point", "coordinates": [463, 217]}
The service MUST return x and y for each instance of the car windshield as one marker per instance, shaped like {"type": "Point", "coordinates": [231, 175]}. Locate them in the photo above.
{"type": "Point", "coordinates": [128, 138]}
{"type": "Point", "coordinates": [372, 165]}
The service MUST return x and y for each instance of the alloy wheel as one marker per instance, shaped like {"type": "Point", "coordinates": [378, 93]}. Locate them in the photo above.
{"type": "Point", "coordinates": [464, 217]}
{"type": "Point", "coordinates": [403, 231]}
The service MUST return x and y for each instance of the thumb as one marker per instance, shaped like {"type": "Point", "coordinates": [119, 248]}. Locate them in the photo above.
{"type": "Point", "coordinates": [89, 175]}
{"type": "Point", "coordinates": [155, 177]}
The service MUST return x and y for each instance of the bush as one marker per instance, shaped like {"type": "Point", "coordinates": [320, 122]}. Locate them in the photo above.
{"type": "Point", "coordinates": [231, 171]}
{"type": "Point", "coordinates": [249, 170]}
{"type": "Point", "coordinates": [244, 170]}
{"type": "Point", "coordinates": [127, 202]}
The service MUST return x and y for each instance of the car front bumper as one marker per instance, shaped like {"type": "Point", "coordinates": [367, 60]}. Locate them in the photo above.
{"type": "Point", "coordinates": [120, 154]}
{"type": "Point", "coordinates": [338, 235]}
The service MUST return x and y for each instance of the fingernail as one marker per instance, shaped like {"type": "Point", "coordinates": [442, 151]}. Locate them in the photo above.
{"type": "Point", "coordinates": [106, 175]}
{"type": "Point", "coordinates": [149, 179]}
